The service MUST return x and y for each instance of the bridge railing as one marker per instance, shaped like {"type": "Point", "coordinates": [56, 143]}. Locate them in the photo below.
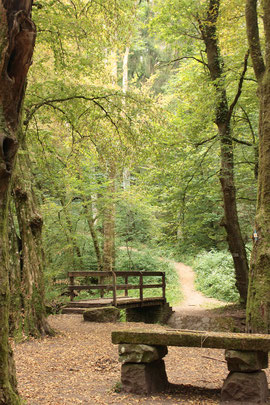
{"type": "Point", "coordinates": [116, 281]}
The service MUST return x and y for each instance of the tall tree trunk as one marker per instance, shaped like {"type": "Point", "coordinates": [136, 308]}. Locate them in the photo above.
{"type": "Point", "coordinates": [90, 221]}
{"type": "Point", "coordinates": [17, 38]}
{"type": "Point", "coordinates": [126, 171]}
{"type": "Point", "coordinates": [15, 274]}
{"type": "Point", "coordinates": [236, 244]}
{"type": "Point", "coordinates": [69, 232]}
{"type": "Point", "coordinates": [31, 254]}
{"type": "Point", "coordinates": [258, 304]}
{"type": "Point", "coordinates": [109, 222]}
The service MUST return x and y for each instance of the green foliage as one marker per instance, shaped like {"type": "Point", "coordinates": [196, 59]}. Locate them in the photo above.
{"type": "Point", "coordinates": [147, 260]}
{"type": "Point", "coordinates": [137, 222]}
{"type": "Point", "coordinates": [79, 122]}
{"type": "Point", "coordinates": [215, 275]}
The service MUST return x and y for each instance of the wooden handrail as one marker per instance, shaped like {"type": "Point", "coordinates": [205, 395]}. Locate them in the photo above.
{"type": "Point", "coordinates": [109, 273]}
{"type": "Point", "coordinates": [114, 286]}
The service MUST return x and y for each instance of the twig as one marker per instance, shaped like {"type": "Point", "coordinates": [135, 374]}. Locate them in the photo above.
{"type": "Point", "coordinates": [213, 358]}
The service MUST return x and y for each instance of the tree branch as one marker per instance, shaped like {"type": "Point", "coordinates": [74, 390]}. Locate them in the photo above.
{"type": "Point", "coordinates": [240, 85]}
{"type": "Point", "coordinates": [249, 124]}
{"type": "Point", "coordinates": [242, 142]}
{"type": "Point", "coordinates": [51, 102]}
{"type": "Point", "coordinates": [182, 58]}
{"type": "Point", "coordinates": [204, 141]}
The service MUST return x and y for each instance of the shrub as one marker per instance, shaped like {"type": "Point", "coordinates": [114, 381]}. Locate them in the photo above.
{"type": "Point", "coordinates": [147, 260]}
{"type": "Point", "coordinates": [215, 275]}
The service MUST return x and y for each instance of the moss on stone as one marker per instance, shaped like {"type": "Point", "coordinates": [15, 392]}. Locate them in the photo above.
{"type": "Point", "coordinates": [215, 340]}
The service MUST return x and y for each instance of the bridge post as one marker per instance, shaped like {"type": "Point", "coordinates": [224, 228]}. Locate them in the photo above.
{"type": "Point", "coordinates": [114, 289]}
{"type": "Point", "coordinates": [141, 287]}
{"type": "Point", "coordinates": [71, 291]}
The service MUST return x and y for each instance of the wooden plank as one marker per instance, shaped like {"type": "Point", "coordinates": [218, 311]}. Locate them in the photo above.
{"type": "Point", "coordinates": [137, 273]}
{"type": "Point", "coordinates": [105, 287]}
{"type": "Point", "coordinates": [117, 273]}
{"type": "Point", "coordinates": [89, 273]}
{"type": "Point", "coordinates": [136, 287]}
{"type": "Point", "coordinates": [214, 340]}
{"type": "Point", "coordinates": [110, 286]}
{"type": "Point", "coordinates": [152, 286]}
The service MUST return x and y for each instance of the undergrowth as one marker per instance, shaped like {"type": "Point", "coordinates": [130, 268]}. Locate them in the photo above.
{"type": "Point", "coordinates": [147, 260]}
{"type": "Point", "coordinates": [131, 260]}
{"type": "Point", "coordinates": [215, 275]}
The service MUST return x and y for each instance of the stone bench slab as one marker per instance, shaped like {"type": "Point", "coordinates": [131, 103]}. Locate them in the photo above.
{"type": "Point", "coordinates": [185, 338]}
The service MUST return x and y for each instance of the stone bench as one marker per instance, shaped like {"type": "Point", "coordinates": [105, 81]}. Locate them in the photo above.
{"type": "Point", "coordinates": [143, 369]}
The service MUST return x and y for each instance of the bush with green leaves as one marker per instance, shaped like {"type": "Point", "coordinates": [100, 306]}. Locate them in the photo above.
{"type": "Point", "coordinates": [215, 275]}
{"type": "Point", "coordinates": [147, 260]}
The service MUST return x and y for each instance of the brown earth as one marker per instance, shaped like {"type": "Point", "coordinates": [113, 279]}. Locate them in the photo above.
{"type": "Point", "coordinates": [193, 299]}
{"type": "Point", "coordinates": [80, 364]}
{"type": "Point", "coordinates": [199, 312]}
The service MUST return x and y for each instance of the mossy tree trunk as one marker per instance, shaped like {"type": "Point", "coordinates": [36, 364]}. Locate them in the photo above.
{"type": "Point", "coordinates": [258, 305]}
{"type": "Point", "coordinates": [15, 275]}
{"type": "Point", "coordinates": [208, 28]}
{"type": "Point", "coordinates": [17, 38]}
{"type": "Point", "coordinates": [31, 255]}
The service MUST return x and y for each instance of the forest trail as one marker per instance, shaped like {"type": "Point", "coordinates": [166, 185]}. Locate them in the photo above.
{"type": "Point", "coordinates": [198, 312]}
{"type": "Point", "coordinates": [194, 301]}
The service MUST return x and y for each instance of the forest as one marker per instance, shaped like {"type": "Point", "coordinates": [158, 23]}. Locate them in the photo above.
{"type": "Point", "coordinates": [132, 130]}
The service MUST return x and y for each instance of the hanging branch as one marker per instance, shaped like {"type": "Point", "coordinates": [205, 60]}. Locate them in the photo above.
{"type": "Point", "coordinates": [240, 85]}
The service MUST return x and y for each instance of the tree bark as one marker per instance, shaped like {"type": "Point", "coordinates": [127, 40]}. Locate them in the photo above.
{"type": "Point", "coordinates": [15, 314]}
{"type": "Point", "coordinates": [17, 39]}
{"type": "Point", "coordinates": [90, 221]}
{"type": "Point", "coordinates": [208, 28]}
{"type": "Point", "coordinates": [258, 304]}
{"type": "Point", "coordinates": [109, 223]}
{"type": "Point", "coordinates": [76, 255]}
{"type": "Point", "coordinates": [31, 251]}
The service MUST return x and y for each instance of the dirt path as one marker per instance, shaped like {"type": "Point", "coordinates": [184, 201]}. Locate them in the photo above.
{"type": "Point", "coordinates": [198, 312]}
{"type": "Point", "coordinates": [194, 301]}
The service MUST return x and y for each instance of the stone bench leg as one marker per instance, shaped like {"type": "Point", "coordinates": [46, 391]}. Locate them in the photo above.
{"type": "Point", "coordinates": [246, 382]}
{"type": "Point", "coordinates": [143, 370]}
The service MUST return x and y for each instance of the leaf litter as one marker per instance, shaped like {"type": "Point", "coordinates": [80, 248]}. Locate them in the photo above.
{"type": "Point", "coordinates": [80, 366]}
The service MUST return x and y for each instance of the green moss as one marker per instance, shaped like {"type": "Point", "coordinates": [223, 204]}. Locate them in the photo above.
{"type": "Point", "coordinates": [215, 340]}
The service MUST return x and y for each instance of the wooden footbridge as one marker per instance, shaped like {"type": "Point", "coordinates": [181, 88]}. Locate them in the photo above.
{"type": "Point", "coordinates": [114, 289]}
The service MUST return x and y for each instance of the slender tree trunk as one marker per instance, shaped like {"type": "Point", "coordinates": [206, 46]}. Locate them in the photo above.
{"type": "Point", "coordinates": [236, 244]}
{"type": "Point", "coordinates": [109, 223]}
{"type": "Point", "coordinates": [69, 231]}
{"type": "Point", "coordinates": [258, 304]}
{"type": "Point", "coordinates": [31, 254]}
{"type": "Point", "coordinates": [17, 38]}
{"type": "Point", "coordinates": [91, 225]}
{"type": "Point", "coordinates": [126, 171]}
